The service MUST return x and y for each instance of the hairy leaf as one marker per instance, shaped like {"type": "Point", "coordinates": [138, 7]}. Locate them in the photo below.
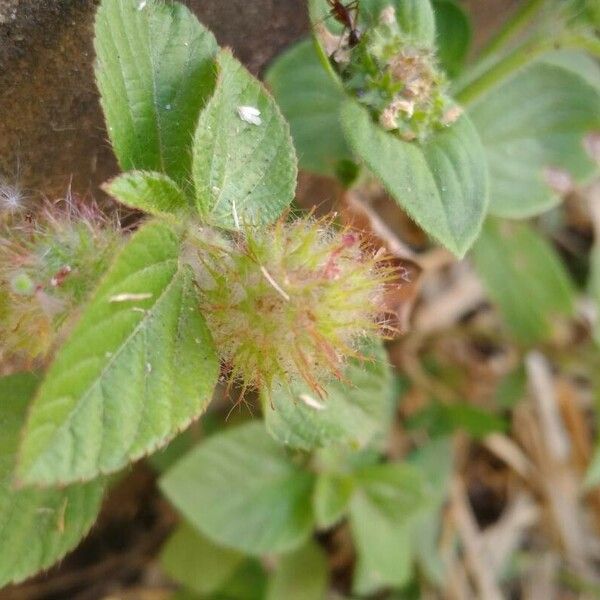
{"type": "Point", "coordinates": [138, 368]}
{"type": "Point", "coordinates": [240, 489]}
{"type": "Point", "coordinates": [443, 184]}
{"type": "Point", "coordinates": [149, 191]}
{"type": "Point", "coordinates": [155, 71]}
{"type": "Point", "coordinates": [353, 413]}
{"type": "Point", "coordinates": [244, 161]}
{"type": "Point", "coordinates": [37, 528]}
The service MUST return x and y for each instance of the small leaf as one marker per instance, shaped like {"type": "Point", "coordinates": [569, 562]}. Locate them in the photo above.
{"type": "Point", "coordinates": [534, 122]}
{"type": "Point", "coordinates": [440, 419]}
{"type": "Point", "coordinates": [244, 172]}
{"type": "Point", "coordinates": [592, 476]}
{"type": "Point", "coordinates": [310, 101]}
{"type": "Point", "coordinates": [195, 562]}
{"type": "Point", "coordinates": [352, 414]}
{"type": "Point", "coordinates": [415, 17]}
{"type": "Point", "coordinates": [524, 277]}
{"type": "Point", "coordinates": [594, 285]}
{"type": "Point", "coordinates": [249, 582]}
{"type": "Point", "coordinates": [149, 191]}
{"type": "Point", "coordinates": [300, 575]}
{"type": "Point", "coordinates": [37, 528]}
{"type": "Point", "coordinates": [138, 367]}
{"type": "Point", "coordinates": [332, 495]}
{"type": "Point", "coordinates": [380, 518]}
{"type": "Point", "coordinates": [453, 37]}
{"type": "Point", "coordinates": [443, 185]}
{"type": "Point", "coordinates": [240, 489]}
{"type": "Point", "coordinates": [155, 71]}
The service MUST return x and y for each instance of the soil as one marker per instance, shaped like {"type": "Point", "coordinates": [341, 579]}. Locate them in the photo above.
{"type": "Point", "coordinates": [51, 130]}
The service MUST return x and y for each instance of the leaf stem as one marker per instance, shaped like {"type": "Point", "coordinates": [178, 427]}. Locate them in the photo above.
{"type": "Point", "coordinates": [522, 56]}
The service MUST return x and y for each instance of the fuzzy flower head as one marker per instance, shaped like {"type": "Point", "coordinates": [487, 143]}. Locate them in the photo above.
{"type": "Point", "coordinates": [49, 261]}
{"type": "Point", "coordinates": [290, 302]}
{"type": "Point", "coordinates": [398, 79]}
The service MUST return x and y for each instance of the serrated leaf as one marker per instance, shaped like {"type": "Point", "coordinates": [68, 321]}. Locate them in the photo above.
{"type": "Point", "coordinates": [352, 414]}
{"type": "Point", "coordinates": [192, 560]}
{"type": "Point", "coordinates": [37, 528]}
{"type": "Point", "coordinates": [443, 184]}
{"type": "Point", "coordinates": [453, 35]}
{"type": "Point", "coordinates": [534, 122]}
{"type": "Point", "coordinates": [244, 164]}
{"type": "Point", "coordinates": [155, 71]}
{"type": "Point", "coordinates": [137, 368]}
{"type": "Point", "coordinates": [310, 101]}
{"type": "Point", "coordinates": [300, 575]}
{"type": "Point", "coordinates": [152, 192]}
{"type": "Point", "coordinates": [241, 490]}
{"type": "Point", "coordinates": [524, 277]}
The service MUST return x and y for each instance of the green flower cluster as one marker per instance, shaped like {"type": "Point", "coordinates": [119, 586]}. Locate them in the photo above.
{"type": "Point", "coordinates": [398, 80]}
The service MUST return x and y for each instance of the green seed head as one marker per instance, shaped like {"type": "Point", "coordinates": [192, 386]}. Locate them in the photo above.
{"type": "Point", "coordinates": [48, 264]}
{"type": "Point", "coordinates": [290, 302]}
{"type": "Point", "coordinates": [399, 81]}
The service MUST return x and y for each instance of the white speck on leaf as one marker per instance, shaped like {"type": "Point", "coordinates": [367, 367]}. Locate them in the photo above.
{"type": "Point", "coordinates": [129, 297]}
{"type": "Point", "coordinates": [311, 402]}
{"type": "Point", "coordinates": [142, 4]}
{"type": "Point", "coordinates": [148, 368]}
{"type": "Point", "coordinates": [250, 114]}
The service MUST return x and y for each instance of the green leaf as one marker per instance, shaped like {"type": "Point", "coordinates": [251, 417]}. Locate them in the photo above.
{"type": "Point", "coordinates": [415, 17]}
{"type": "Point", "coordinates": [524, 277]}
{"type": "Point", "coordinates": [454, 35]}
{"type": "Point", "coordinates": [594, 283]}
{"type": "Point", "coordinates": [443, 185]}
{"type": "Point", "coordinates": [37, 528]}
{"type": "Point", "coordinates": [195, 562]}
{"type": "Point", "coordinates": [155, 71]}
{"type": "Point", "coordinates": [241, 490]}
{"type": "Point", "coordinates": [151, 192]}
{"type": "Point", "coordinates": [534, 122]}
{"type": "Point", "coordinates": [352, 414]}
{"type": "Point", "coordinates": [439, 419]}
{"type": "Point", "coordinates": [576, 61]}
{"type": "Point", "coordinates": [592, 476]}
{"type": "Point", "coordinates": [380, 517]}
{"type": "Point", "coordinates": [138, 367]}
{"type": "Point", "coordinates": [300, 575]}
{"type": "Point", "coordinates": [333, 492]}
{"type": "Point", "coordinates": [244, 171]}
{"type": "Point", "coordinates": [249, 582]}
{"type": "Point", "coordinates": [310, 101]}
